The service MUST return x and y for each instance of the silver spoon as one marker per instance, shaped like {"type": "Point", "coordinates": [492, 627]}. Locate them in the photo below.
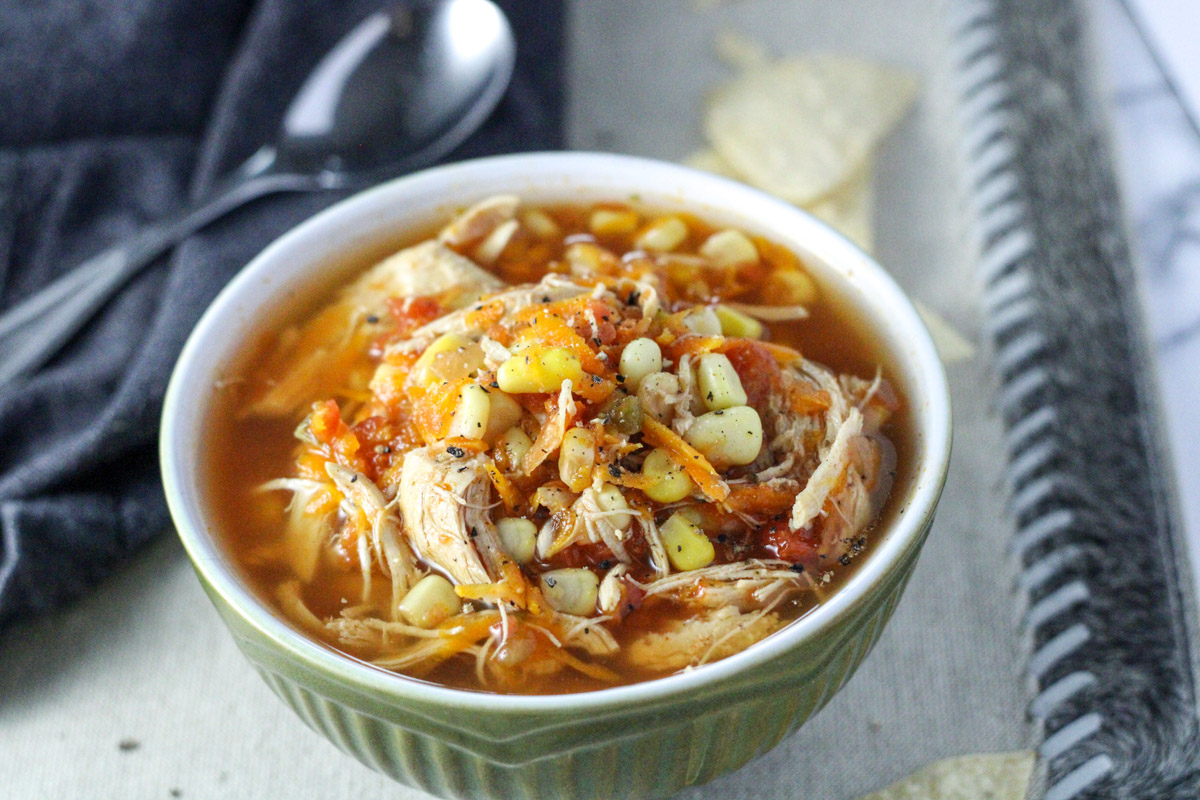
{"type": "Point", "coordinates": [401, 90]}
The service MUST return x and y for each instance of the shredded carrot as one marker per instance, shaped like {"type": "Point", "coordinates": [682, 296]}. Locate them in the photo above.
{"type": "Point", "coordinates": [595, 389]}
{"type": "Point", "coordinates": [697, 466]}
{"type": "Point", "coordinates": [511, 588]}
{"type": "Point", "coordinates": [462, 443]}
{"type": "Point", "coordinates": [693, 346]}
{"type": "Point", "coordinates": [760, 499]}
{"type": "Point", "coordinates": [559, 308]}
{"type": "Point", "coordinates": [549, 438]}
{"type": "Point", "coordinates": [631, 480]}
{"type": "Point", "coordinates": [326, 425]}
{"type": "Point", "coordinates": [486, 315]}
{"type": "Point", "coordinates": [552, 331]}
{"type": "Point", "coordinates": [504, 487]}
{"type": "Point", "coordinates": [804, 402]}
{"type": "Point", "coordinates": [783, 354]}
{"type": "Point", "coordinates": [457, 635]}
{"type": "Point", "coordinates": [322, 502]}
{"type": "Point", "coordinates": [434, 408]}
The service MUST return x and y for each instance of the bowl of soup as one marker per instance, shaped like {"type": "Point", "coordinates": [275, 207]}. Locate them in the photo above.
{"type": "Point", "coordinates": [568, 475]}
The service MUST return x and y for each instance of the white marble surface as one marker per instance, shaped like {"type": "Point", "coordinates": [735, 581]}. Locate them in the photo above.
{"type": "Point", "coordinates": [138, 692]}
{"type": "Point", "coordinates": [1157, 146]}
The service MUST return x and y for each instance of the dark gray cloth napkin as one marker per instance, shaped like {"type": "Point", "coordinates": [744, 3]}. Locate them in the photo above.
{"type": "Point", "coordinates": [110, 116]}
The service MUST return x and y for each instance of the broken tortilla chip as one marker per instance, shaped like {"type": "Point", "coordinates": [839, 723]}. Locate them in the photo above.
{"type": "Point", "coordinates": [739, 51]}
{"type": "Point", "coordinates": [994, 776]}
{"type": "Point", "coordinates": [850, 209]}
{"type": "Point", "coordinates": [711, 161]}
{"type": "Point", "coordinates": [801, 127]}
{"type": "Point", "coordinates": [951, 345]}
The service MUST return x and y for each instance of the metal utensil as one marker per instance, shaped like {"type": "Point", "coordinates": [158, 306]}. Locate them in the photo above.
{"type": "Point", "coordinates": [400, 90]}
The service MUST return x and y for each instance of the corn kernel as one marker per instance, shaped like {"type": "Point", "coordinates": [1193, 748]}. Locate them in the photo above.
{"type": "Point", "coordinates": [613, 222]}
{"type": "Point", "coordinates": [503, 414]}
{"type": "Point", "coordinates": [735, 323]}
{"type": "Point", "coordinates": [790, 287]}
{"type": "Point", "coordinates": [430, 603]}
{"type": "Point", "coordinates": [731, 437]}
{"type": "Point", "coordinates": [663, 235]}
{"type": "Point", "coordinates": [517, 537]}
{"type": "Point", "coordinates": [668, 482]}
{"type": "Point", "coordinates": [471, 417]}
{"type": "Point", "coordinates": [388, 383]}
{"type": "Point", "coordinates": [540, 224]}
{"type": "Point", "coordinates": [720, 386]}
{"type": "Point", "coordinates": [585, 258]}
{"type": "Point", "coordinates": [610, 499]}
{"type": "Point", "coordinates": [703, 321]}
{"type": "Point", "coordinates": [576, 457]}
{"type": "Point", "coordinates": [687, 546]}
{"type": "Point", "coordinates": [729, 248]}
{"type": "Point", "coordinates": [552, 498]}
{"type": "Point", "coordinates": [447, 343]}
{"type": "Point", "coordinates": [571, 591]}
{"type": "Point", "coordinates": [513, 445]}
{"type": "Point", "coordinates": [539, 370]}
{"type": "Point", "coordinates": [640, 358]}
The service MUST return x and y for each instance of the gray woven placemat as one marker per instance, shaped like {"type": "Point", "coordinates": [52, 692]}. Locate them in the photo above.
{"type": "Point", "coordinates": [1110, 617]}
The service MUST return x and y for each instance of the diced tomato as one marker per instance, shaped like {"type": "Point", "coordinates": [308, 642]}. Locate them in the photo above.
{"type": "Point", "coordinates": [327, 427]}
{"type": "Point", "coordinates": [411, 313]}
{"type": "Point", "coordinates": [325, 423]}
{"type": "Point", "coordinates": [632, 600]}
{"type": "Point", "coordinates": [380, 442]}
{"type": "Point", "coordinates": [797, 547]}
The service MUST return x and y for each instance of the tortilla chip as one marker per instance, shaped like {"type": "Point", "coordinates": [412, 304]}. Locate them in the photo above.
{"type": "Point", "coordinates": [850, 209]}
{"type": "Point", "coordinates": [995, 776]}
{"type": "Point", "coordinates": [711, 161]}
{"type": "Point", "coordinates": [738, 51]}
{"type": "Point", "coordinates": [951, 345]}
{"type": "Point", "coordinates": [803, 126]}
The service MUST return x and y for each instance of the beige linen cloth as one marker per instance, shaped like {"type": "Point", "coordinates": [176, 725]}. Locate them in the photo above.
{"type": "Point", "coordinates": [138, 692]}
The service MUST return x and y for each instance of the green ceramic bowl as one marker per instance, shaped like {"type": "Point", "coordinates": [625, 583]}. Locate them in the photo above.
{"type": "Point", "coordinates": [642, 741]}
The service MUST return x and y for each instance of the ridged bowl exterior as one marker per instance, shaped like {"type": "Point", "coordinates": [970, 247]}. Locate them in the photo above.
{"type": "Point", "coordinates": [641, 741]}
{"type": "Point", "coordinates": [644, 750]}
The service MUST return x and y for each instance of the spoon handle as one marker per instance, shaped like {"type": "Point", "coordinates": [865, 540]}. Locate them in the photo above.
{"type": "Point", "coordinates": [36, 328]}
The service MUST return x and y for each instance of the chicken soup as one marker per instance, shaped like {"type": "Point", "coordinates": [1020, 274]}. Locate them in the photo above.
{"type": "Point", "coordinates": [556, 449]}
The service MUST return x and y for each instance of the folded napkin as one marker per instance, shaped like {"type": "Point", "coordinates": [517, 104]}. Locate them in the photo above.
{"type": "Point", "coordinates": [114, 115]}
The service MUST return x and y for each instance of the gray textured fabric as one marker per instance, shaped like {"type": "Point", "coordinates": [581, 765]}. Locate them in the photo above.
{"type": "Point", "coordinates": [113, 114]}
{"type": "Point", "coordinates": [1110, 609]}
{"type": "Point", "coordinates": [145, 661]}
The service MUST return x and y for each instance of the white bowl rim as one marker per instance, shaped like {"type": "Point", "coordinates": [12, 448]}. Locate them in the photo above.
{"type": "Point", "coordinates": [933, 423]}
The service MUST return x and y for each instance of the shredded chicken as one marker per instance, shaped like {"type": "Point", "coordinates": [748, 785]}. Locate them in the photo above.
{"type": "Point", "coordinates": [827, 475]}
{"type": "Point", "coordinates": [444, 502]}
{"type": "Point", "coordinates": [708, 635]}
{"type": "Point", "coordinates": [390, 549]}
{"type": "Point", "coordinates": [550, 289]}
{"type": "Point", "coordinates": [316, 348]}
{"type": "Point", "coordinates": [480, 220]}
{"type": "Point", "coordinates": [305, 532]}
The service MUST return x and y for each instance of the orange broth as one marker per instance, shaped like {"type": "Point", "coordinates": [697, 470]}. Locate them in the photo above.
{"type": "Point", "coordinates": [244, 452]}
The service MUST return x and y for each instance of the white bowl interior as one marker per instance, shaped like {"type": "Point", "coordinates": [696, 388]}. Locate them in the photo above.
{"type": "Point", "coordinates": [290, 266]}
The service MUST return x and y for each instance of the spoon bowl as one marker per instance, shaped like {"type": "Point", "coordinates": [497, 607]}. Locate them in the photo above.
{"type": "Point", "coordinates": [402, 89]}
